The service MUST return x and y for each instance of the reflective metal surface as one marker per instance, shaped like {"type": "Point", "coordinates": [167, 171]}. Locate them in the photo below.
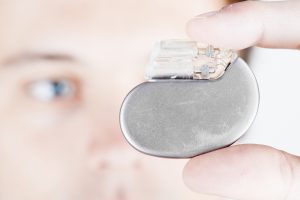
{"type": "Point", "coordinates": [185, 118]}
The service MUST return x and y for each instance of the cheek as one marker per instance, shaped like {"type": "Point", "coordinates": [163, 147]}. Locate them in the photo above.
{"type": "Point", "coordinates": [38, 159]}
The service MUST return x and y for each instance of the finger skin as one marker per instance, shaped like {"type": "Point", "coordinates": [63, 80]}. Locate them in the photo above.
{"type": "Point", "coordinates": [249, 23]}
{"type": "Point", "coordinates": [245, 172]}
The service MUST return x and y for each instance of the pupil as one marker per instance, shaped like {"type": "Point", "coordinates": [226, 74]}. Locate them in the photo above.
{"type": "Point", "coordinates": [59, 88]}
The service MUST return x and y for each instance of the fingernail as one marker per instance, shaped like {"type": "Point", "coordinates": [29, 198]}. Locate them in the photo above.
{"type": "Point", "coordinates": [206, 15]}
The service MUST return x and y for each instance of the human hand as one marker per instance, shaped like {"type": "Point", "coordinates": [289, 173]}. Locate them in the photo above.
{"type": "Point", "coordinates": [248, 172]}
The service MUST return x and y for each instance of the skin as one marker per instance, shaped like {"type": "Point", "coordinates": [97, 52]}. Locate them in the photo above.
{"type": "Point", "coordinates": [248, 172]}
{"type": "Point", "coordinates": [70, 147]}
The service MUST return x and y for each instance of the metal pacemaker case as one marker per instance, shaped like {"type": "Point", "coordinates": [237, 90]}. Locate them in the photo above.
{"type": "Point", "coordinates": [182, 117]}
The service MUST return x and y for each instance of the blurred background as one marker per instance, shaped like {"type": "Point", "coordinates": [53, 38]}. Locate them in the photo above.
{"type": "Point", "coordinates": [65, 67]}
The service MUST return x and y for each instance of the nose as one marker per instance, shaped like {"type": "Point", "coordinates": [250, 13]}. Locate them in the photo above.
{"type": "Point", "coordinates": [106, 127]}
{"type": "Point", "coordinates": [113, 153]}
{"type": "Point", "coordinates": [108, 144]}
{"type": "Point", "coordinates": [120, 158]}
{"type": "Point", "coordinates": [114, 136]}
{"type": "Point", "coordinates": [111, 147]}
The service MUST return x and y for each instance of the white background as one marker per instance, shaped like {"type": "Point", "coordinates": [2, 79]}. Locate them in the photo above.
{"type": "Point", "coordinates": [278, 120]}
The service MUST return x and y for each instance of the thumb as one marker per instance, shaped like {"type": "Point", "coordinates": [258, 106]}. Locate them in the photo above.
{"type": "Point", "coordinates": [244, 24]}
{"type": "Point", "coordinates": [245, 172]}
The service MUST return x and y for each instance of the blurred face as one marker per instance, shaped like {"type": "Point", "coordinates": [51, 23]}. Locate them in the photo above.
{"type": "Point", "coordinates": [65, 67]}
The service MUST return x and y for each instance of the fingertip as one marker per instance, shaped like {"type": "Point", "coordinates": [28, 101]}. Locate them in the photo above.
{"type": "Point", "coordinates": [240, 172]}
{"type": "Point", "coordinates": [235, 26]}
{"type": "Point", "coordinates": [211, 173]}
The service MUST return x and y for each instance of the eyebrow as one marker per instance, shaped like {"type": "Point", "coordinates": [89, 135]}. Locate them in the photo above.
{"type": "Point", "coordinates": [31, 57]}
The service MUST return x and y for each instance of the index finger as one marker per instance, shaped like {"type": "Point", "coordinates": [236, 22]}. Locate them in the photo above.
{"type": "Point", "coordinates": [245, 24]}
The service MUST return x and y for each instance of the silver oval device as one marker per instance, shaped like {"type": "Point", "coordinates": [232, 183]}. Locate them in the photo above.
{"type": "Point", "coordinates": [195, 101]}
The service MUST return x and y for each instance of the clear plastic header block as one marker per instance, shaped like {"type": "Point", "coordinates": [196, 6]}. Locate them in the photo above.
{"type": "Point", "coordinates": [182, 59]}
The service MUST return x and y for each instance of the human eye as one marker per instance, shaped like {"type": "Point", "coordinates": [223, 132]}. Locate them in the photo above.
{"type": "Point", "coordinates": [47, 90]}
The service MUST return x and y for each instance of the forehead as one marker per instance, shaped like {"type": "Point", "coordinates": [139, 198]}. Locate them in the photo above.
{"type": "Point", "coordinates": [97, 13]}
{"type": "Point", "coordinates": [26, 22]}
